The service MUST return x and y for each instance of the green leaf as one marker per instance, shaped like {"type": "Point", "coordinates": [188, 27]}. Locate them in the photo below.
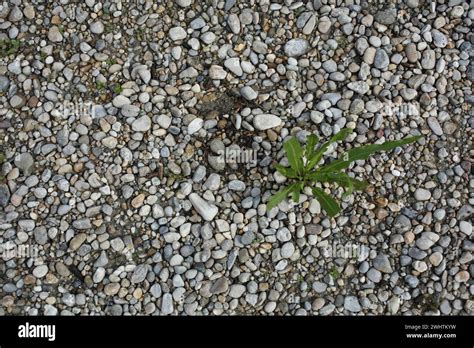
{"type": "Point", "coordinates": [316, 157]}
{"type": "Point", "coordinates": [278, 197]}
{"type": "Point", "coordinates": [286, 171]}
{"type": "Point", "coordinates": [296, 192]}
{"type": "Point", "coordinates": [350, 189]}
{"type": "Point", "coordinates": [342, 179]}
{"type": "Point", "coordinates": [363, 152]}
{"type": "Point", "coordinates": [327, 203]}
{"type": "Point", "coordinates": [294, 152]}
{"type": "Point", "coordinates": [312, 140]}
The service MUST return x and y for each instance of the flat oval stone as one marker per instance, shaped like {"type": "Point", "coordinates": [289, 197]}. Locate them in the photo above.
{"type": "Point", "coordinates": [266, 121]}
{"type": "Point", "coordinates": [296, 47]}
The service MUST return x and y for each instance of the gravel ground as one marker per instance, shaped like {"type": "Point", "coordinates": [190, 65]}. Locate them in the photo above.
{"type": "Point", "coordinates": [139, 139]}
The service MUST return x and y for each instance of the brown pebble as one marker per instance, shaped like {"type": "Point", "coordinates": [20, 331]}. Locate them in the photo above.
{"type": "Point", "coordinates": [381, 213]}
{"type": "Point", "coordinates": [33, 101]}
{"type": "Point", "coordinates": [8, 301]}
{"type": "Point", "coordinates": [272, 136]}
{"type": "Point", "coordinates": [56, 20]}
{"type": "Point", "coordinates": [222, 124]}
{"type": "Point", "coordinates": [78, 167]}
{"type": "Point", "coordinates": [29, 279]}
{"type": "Point", "coordinates": [409, 237]}
{"type": "Point", "coordinates": [381, 202]}
{"type": "Point", "coordinates": [462, 277]}
{"type": "Point", "coordinates": [137, 202]}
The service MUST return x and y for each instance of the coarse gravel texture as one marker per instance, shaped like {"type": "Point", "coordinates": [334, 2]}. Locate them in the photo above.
{"type": "Point", "coordinates": [115, 197]}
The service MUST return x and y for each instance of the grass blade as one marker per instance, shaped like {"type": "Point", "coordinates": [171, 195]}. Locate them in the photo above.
{"type": "Point", "coordinates": [296, 192]}
{"type": "Point", "coordinates": [327, 203]}
{"type": "Point", "coordinates": [286, 171]}
{"type": "Point", "coordinates": [312, 140]}
{"type": "Point", "coordinates": [316, 157]}
{"type": "Point", "coordinates": [294, 152]}
{"type": "Point", "coordinates": [342, 179]}
{"type": "Point", "coordinates": [363, 152]}
{"type": "Point", "coordinates": [278, 197]}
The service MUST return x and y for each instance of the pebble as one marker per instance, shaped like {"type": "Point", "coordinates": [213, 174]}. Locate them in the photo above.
{"type": "Point", "coordinates": [120, 101]}
{"type": "Point", "coordinates": [422, 194]}
{"type": "Point", "coordinates": [220, 286]}
{"type": "Point", "coordinates": [387, 16]}
{"type": "Point", "coordinates": [412, 53]}
{"type": "Point", "coordinates": [351, 303]}
{"type": "Point", "coordinates": [382, 263]}
{"type": "Point", "coordinates": [99, 275]}
{"type": "Point", "coordinates": [97, 27]}
{"type": "Point", "coordinates": [393, 305]}
{"type": "Point", "coordinates": [184, 3]}
{"type": "Point", "coordinates": [139, 274]}
{"type": "Point", "coordinates": [374, 275]}
{"type": "Point", "coordinates": [207, 210]}
{"type": "Point", "coordinates": [77, 241]}
{"type": "Point", "coordinates": [237, 290]}
{"type": "Point", "coordinates": [4, 195]}
{"type": "Point", "coordinates": [248, 93]}
{"type": "Point", "coordinates": [167, 306]}
{"type": "Point", "coordinates": [287, 250]}
{"type": "Point", "coordinates": [24, 162]}
{"type": "Point", "coordinates": [234, 23]}
{"type": "Point", "coordinates": [141, 124]}
{"type": "Point", "coordinates": [435, 126]}
{"type": "Point", "coordinates": [428, 59]}
{"type": "Point", "coordinates": [237, 185]}
{"type": "Point", "coordinates": [195, 125]}
{"type": "Point", "coordinates": [319, 287]}
{"type": "Point", "coordinates": [465, 227]}
{"type": "Point", "coordinates": [381, 59]}
{"type": "Point", "coordinates": [439, 39]}
{"type": "Point", "coordinates": [296, 47]}
{"type": "Point", "coordinates": [233, 64]}
{"type": "Point", "coordinates": [266, 121]}
{"type": "Point", "coordinates": [217, 72]}
{"type": "Point", "coordinates": [82, 224]}
{"type": "Point", "coordinates": [4, 83]}
{"type": "Point", "coordinates": [54, 35]}
{"type": "Point", "coordinates": [360, 87]}
{"type": "Point", "coordinates": [427, 240]}
{"type": "Point", "coordinates": [177, 33]}
{"type": "Point", "coordinates": [40, 271]}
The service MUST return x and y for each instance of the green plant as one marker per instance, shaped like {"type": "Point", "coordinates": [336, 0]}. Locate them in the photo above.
{"type": "Point", "coordinates": [334, 273]}
{"type": "Point", "coordinates": [8, 47]}
{"type": "Point", "coordinates": [101, 86]}
{"type": "Point", "coordinates": [43, 56]}
{"type": "Point", "coordinates": [111, 61]}
{"type": "Point", "coordinates": [117, 88]}
{"type": "Point", "coordinates": [303, 169]}
{"type": "Point", "coordinates": [342, 41]}
{"type": "Point", "coordinates": [109, 28]}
